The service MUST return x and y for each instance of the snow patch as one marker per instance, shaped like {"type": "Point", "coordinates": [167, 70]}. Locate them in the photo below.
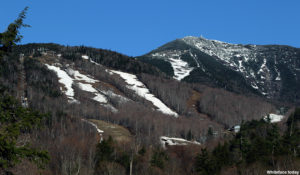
{"type": "Point", "coordinates": [84, 82]}
{"type": "Point", "coordinates": [195, 58]}
{"type": "Point", "coordinates": [224, 51]}
{"type": "Point", "coordinates": [94, 125]}
{"type": "Point", "coordinates": [274, 118]}
{"type": "Point", "coordinates": [140, 89]}
{"type": "Point", "coordinates": [112, 109]}
{"type": "Point", "coordinates": [66, 80]}
{"type": "Point", "coordinates": [263, 66]}
{"type": "Point", "coordinates": [87, 87]}
{"type": "Point", "coordinates": [99, 131]}
{"type": "Point", "coordinates": [278, 78]}
{"type": "Point", "coordinates": [80, 77]}
{"type": "Point", "coordinates": [94, 62]}
{"type": "Point", "coordinates": [85, 57]}
{"type": "Point", "coordinates": [171, 141]}
{"type": "Point", "coordinates": [254, 85]}
{"type": "Point", "coordinates": [100, 98]}
{"type": "Point", "coordinates": [181, 68]}
{"type": "Point", "coordinates": [111, 94]}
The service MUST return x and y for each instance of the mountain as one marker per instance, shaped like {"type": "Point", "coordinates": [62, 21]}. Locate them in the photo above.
{"type": "Point", "coordinates": [272, 71]}
{"type": "Point", "coordinates": [90, 94]}
{"type": "Point", "coordinates": [81, 110]}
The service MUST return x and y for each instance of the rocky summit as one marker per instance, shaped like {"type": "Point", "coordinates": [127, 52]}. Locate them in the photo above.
{"type": "Point", "coordinates": [272, 71]}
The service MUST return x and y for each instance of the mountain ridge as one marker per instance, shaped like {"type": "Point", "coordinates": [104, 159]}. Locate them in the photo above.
{"type": "Point", "coordinates": [270, 70]}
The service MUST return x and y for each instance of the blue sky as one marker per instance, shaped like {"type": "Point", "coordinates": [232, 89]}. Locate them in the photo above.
{"type": "Point", "coordinates": [135, 27]}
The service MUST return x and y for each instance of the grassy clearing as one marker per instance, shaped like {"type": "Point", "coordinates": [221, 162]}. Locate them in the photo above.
{"type": "Point", "coordinates": [117, 132]}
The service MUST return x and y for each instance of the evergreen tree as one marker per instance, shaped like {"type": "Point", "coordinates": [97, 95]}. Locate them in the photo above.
{"type": "Point", "coordinates": [190, 136]}
{"type": "Point", "coordinates": [11, 36]}
{"type": "Point", "coordinates": [222, 155]}
{"type": "Point", "coordinates": [205, 164]}
{"type": "Point", "coordinates": [292, 135]}
{"type": "Point", "coordinates": [158, 158]}
{"type": "Point", "coordinates": [210, 133]}
{"type": "Point", "coordinates": [14, 121]}
{"type": "Point", "coordinates": [104, 151]}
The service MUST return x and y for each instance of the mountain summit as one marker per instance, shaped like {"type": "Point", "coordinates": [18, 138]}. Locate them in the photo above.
{"type": "Point", "coordinates": [272, 71]}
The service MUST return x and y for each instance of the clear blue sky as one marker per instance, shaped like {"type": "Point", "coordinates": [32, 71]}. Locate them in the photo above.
{"type": "Point", "coordinates": [135, 27]}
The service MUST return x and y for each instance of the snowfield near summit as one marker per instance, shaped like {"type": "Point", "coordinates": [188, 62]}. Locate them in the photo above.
{"type": "Point", "coordinates": [140, 89]}
{"type": "Point", "coordinates": [274, 118]}
{"type": "Point", "coordinates": [180, 67]}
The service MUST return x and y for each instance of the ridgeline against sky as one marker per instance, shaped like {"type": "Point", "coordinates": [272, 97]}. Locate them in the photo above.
{"type": "Point", "coordinates": [137, 27]}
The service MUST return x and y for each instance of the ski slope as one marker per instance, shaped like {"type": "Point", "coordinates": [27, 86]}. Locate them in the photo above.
{"type": "Point", "coordinates": [140, 89]}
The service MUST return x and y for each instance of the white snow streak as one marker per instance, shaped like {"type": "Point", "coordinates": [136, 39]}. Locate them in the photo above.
{"type": "Point", "coordinates": [100, 98]}
{"type": "Point", "coordinates": [110, 93]}
{"type": "Point", "coordinates": [195, 58]}
{"type": "Point", "coordinates": [85, 57]}
{"type": "Point", "coordinates": [84, 82]}
{"type": "Point", "coordinates": [94, 125]}
{"type": "Point", "coordinates": [66, 80]}
{"type": "Point", "coordinates": [181, 68]}
{"type": "Point", "coordinates": [140, 89]}
{"type": "Point", "coordinates": [175, 141]}
{"type": "Point", "coordinates": [87, 87]}
{"type": "Point", "coordinates": [274, 118]}
{"type": "Point", "coordinates": [263, 66]}
{"type": "Point", "coordinates": [99, 131]}
{"type": "Point", "coordinates": [80, 77]}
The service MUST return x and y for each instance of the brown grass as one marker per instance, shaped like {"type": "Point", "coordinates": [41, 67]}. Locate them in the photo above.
{"type": "Point", "coordinates": [117, 132]}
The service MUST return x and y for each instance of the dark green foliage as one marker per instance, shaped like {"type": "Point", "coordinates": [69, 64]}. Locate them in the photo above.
{"type": "Point", "coordinates": [11, 36]}
{"type": "Point", "coordinates": [124, 160]}
{"type": "Point", "coordinates": [222, 154]}
{"type": "Point", "coordinates": [105, 57]}
{"type": "Point", "coordinates": [142, 151]}
{"type": "Point", "coordinates": [171, 46]}
{"type": "Point", "coordinates": [107, 155]}
{"type": "Point", "coordinates": [162, 65]}
{"type": "Point", "coordinates": [8, 68]}
{"type": "Point", "coordinates": [292, 136]}
{"type": "Point", "coordinates": [257, 142]}
{"type": "Point", "coordinates": [190, 135]}
{"type": "Point", "coordinates": [38, 76]}
{"type": "Point", "coordinates": [290, 84]}
{"type": "Point", "coordinates": [14, 121]}
{"type": "Point", "coordinates": [36, 49]}
{"type": "Point", "coordinates": [205, 163]}
{"type": "Point", "coordinates": [104, 151]}
{"type": "Point", "coordinates": [210, 133]}
{"type": "Point", "coordinates": [158, 158]}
